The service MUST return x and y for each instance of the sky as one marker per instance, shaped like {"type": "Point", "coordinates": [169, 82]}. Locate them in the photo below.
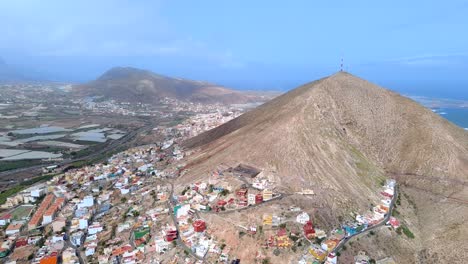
{"type": "Point", "coordinates": [411, 46]}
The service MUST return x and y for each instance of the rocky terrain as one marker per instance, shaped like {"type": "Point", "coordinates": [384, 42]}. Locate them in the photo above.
{"type": "Point", "coordinates": [341, 136]}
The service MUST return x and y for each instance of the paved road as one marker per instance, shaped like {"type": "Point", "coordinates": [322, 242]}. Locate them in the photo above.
{"type": "Point", "coordinates": [70, 244]}
{"type": "Point", "coordinates": [176, 224]}
{"type": "Point", "coordinates": [403, 176]}
{"type": "Point", "coordinates": [383, 222]}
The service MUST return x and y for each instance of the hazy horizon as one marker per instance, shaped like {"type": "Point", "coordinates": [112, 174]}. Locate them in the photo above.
{"type": "Point", "coordinates": [408, 47]}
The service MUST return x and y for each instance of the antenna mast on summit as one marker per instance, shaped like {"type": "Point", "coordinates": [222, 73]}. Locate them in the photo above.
{"type": "Point", "coordinates": [341, 66]}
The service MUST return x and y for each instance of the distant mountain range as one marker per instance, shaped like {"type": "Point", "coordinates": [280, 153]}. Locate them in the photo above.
{"type": "Point", "coordinates": [136, 85]}
{"type": "Point", "coordinates": [11, 74]}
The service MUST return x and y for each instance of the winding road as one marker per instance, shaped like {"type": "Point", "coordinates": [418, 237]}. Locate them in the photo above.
{"type": "Point", "coordinates": [385, 220]}
{"type": "Point", "coordinates": [176, 224]}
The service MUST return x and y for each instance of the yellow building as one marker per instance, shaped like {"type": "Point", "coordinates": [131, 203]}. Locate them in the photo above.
{"type": "Point", "coordinates": [317, 253]}
{"type": "Point", "coordinates": [267, 220]}
{"type": "Point", "coordinates": [283, 241]}
{"type": "Point", "coordinates": [267, 195]}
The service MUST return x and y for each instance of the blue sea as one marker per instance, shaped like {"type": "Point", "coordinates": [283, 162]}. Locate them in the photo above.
{"type": "Point", "coordinates": [458, 116]}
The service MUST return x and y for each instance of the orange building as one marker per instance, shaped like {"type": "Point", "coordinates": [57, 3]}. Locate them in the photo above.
{"type": "Point", "coordinates": [37, 217]}
{"type": "Point", "coordinates": [51, 259]}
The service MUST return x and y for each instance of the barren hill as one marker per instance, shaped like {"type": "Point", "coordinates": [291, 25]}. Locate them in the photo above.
{"type": "Point", "coordinates": [342, 135]}
{"type": "Point", "coordinates": [136, 85]}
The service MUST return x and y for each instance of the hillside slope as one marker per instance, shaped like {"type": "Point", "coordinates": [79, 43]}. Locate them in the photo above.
{"type": "Point", "coordinates": [342, 135]}
{"type": "Point", "coordinates": [135, 85]}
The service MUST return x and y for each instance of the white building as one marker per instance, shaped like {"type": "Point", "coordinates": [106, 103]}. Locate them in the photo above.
{"type": "Point", "coordinates": [90, 249]}
{"type": "Point", "coordinates": [38, 192]}
{"type": "Point", "coordinates": [47, 219]}
{"type": "Point", "coordinates": [94, 228]}
{"type": "Point", "coordinates": [332, 258]}
{"type": "Point", "coordinates": [88, 201]}
{"type": "Point", "coordinates": [77, 238]}
{"type": "Point", "coordinates": [251, 199]}
{"type": "Point", "coordinates": [5, 219]}
{"type": "Point", "coordinates": [161, 245]}
{"type": "Point", "coordinates": [183, 210]}
{"type": "Point", "coordinates": [83, 223]}
{"type": "Point", "coordinates": [57, 238]}
{"type": "Point", "coordinates": [13, 228]}
{"type": "Point", "coordinates": [303, 218]}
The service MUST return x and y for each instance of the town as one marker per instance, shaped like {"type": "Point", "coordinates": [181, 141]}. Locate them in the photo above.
{"type": "Point", "coordinates": [128, 210]}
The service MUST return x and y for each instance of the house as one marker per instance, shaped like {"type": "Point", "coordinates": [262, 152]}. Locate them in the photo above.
{"type": "Point", "coordinates": [52, 210]}
{"type": "Point", "coordinates": [37, 217]}
{"type": "Point", "coordinates": [241, 193]}
{"type": "Point", "coordinates": [14, 228]}
{"type": "Point", "coordinates": [13, 201]}
{"type": "Point", "coordinates": [21, 242]}
{"type": "Point", "coordinates": [259, 184]}
{"type": "Point", "coordinates": [88, 201]}
{"type": "Point", "coordinates": [161, 245]}
{"type": "Point", "coordinates": [242, 202]}
{"type": "Point", "coordinates": [309, 230]}
{"type": "Point", "coordinates": [199, 225]}
{"type": "Point", "coordinates": [123, 226]}
{"type": "Point", "coordinates": [267, 220]}
{"type": "Point", "coordinates": [94, 228]}
{"type": "Point", "coordinates": [104, 208]}
{"type": "Point", "coordinates": [4, 252]}
{"type": "Point", "coordinates": [276, 220]}
{"type": "Point", "coordinates": [77, 238]}
{"type": "Point", "coordinates": [50, 259]}
{"type": "Point", "coordinates": [303, 218]}
{"type": "Point", "coordinates": [252, 230]}
{"type": "Point", "coordinates": [317, 253]}
{"type": "Point", "coordinates": [83, 223]}
{"type": "Point", "coordinates": [283, 241]}
{"type": "Point", "coordinates": [258, 198]}
{"type": "Point", "coordinates": [170, 234]}
{"type": "Point", "coordinates": [33, 240]}
{"type": "Point", "coordinates": [47, 217]}
{"type": "Point", "coordinates": [57, 238]}
{"type": "Point", "coordinates": [395, 223]}
{"type": "Point", "coordinates": [267, 195]}
{"type": "Point", "coordinates": [330, 244]}
{"type": "Point", "coordinates": [58, 224]}
{"type": "Point", "coordinates": [90, 249]}
{"type": "Point", "coordinates": [350, 230]}
{"type": "Point", "coordinates": [251, 199]}
{"type": "Point", "coordinates": [69, 256]}
{"type": "Point", "coordinates": [221, 203]}
{"type": "Point", "coordinates": [81, 212]}
{"type": "Point", "coordinates": [38, 192]}
{"type": "Point", "coordinates": [6, 246]}
{"type": "Point", "coordinates": [5, 219]}
{"type": "Point", "coordinates": [332, 258]}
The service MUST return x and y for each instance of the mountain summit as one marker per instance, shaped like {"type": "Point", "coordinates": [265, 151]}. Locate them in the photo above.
{"type": "Point", "coordinates": [136, 85]}
{"type": "Point", "coordinates": [341, 136]}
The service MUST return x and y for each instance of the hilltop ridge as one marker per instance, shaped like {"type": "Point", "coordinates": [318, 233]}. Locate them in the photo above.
{"type": "Point", "coordinates": [129, 84]}
{"type": "Point", "coordinates": [341, 136]}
